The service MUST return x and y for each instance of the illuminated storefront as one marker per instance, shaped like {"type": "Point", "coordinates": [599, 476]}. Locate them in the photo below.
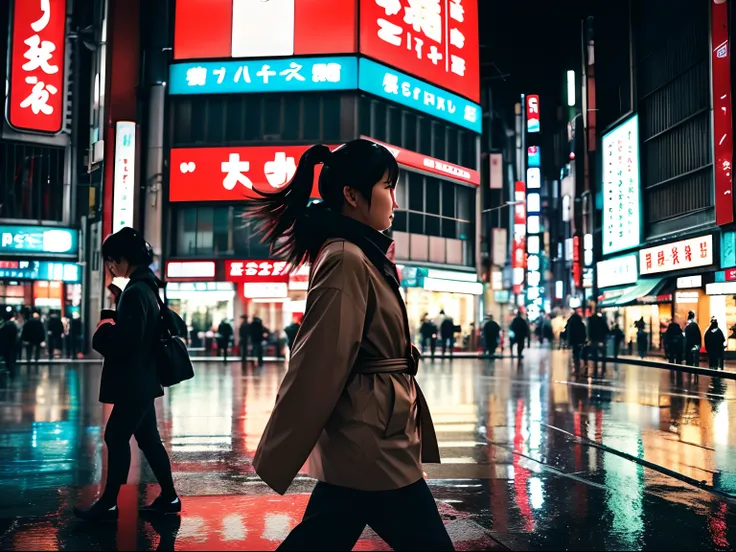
{"type": "Point", "coordinates": [38, 269]}
{"type": "Point", "coordinates": [428, 291]}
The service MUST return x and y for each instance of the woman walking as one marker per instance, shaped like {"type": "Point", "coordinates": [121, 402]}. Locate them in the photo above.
{"type": "Point", "coordinates": [715, 343]}
{"type": "Point", "coordinates": [349, 405]}
{"type": "Point", "coordinates": [129, 378]}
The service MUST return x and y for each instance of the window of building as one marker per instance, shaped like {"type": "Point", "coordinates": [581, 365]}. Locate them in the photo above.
{"type": "Point", "coordinates": [432, 189]}
{"type": "Point", "coordinates": [312, 118]}
{"type": "Point", "coordinates": [31, 182]}
{"type": "Point", "coordinates": [416, 192]}
{"type": "Point", "coordinates": [378, 124]}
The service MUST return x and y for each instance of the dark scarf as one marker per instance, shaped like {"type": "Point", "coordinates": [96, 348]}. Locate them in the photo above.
{"type": "Point", "coordinates": [372, 243]}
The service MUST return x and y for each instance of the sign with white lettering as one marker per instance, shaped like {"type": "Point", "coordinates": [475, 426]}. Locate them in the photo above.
{"type": "Point", "coordinates": [621, 228]}
{"type": "Point", "coordinates": [680, 255]}
{"type": "Point", "coordinates": [36, 76]}
{"type": "Point", "coordinates": [262, 290]}
{"type": "Point", "coordinates": [435, 40]}
{"type": "Point", "coordinates": [421, 162]}
{"type": "Point", "coordinates": [41, 270]}
{"type": "Point", "coordinates": [532, 113]}
{"type": "Point", "coordinates": [267, 75]}
{"type": "Point", "coordinates": [399, 87]}
{"type": "Point", "coordinates": [38, 241]}
{"type": "Point", "coordinates": [123, 198]}
{"type": "Point", "coordinates": [257, 271]}
{"type": "Point", "coordinates": [618, 271]}
{"type": "Point", "coordinates": [232, 173]}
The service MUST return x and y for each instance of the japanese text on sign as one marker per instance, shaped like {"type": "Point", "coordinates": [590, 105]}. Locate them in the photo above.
{"type": "Point", "coordinates": [680, 255]}
{"type": "Point", "coordinates": [395, 86]}
{"type": "Point", "coordinates": [36, 84]}
{"type": "Point", "coordinates": [25, 240]}
{"type": "Point", "coordinates": [532, 113]}
{"type": "Point", "coordinates": [433, 39]}
{"type": "Point", "coordinates": [621, 187]}
{"type": "Point", "coordinates": [274, 75]}
{"type": "Point", "coordinates": [124, 176]}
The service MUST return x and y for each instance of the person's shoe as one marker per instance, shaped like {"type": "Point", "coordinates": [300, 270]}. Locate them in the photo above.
{"type": "Point", "coordinates": [162, 506]}
{"type": "Point", "coordinates": [98, 512]}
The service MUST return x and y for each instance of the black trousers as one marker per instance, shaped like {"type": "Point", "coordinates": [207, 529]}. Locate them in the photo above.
{"type": "Point", "coordinates": [431, 342]}
{"type": "Point", "coordinates": [715, 361]}
{"type": "Point", "coordinates": [127, 420]}
{"type": "Point", "coordinates": [448, 343]}
{"type": "Point", "coordinates": [33, 350]}
{"type": "Point", "coordinates": [407, 519]}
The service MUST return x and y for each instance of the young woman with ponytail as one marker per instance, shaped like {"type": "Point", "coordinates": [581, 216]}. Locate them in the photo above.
{"type": "Point", "coordinates": [349, 406]}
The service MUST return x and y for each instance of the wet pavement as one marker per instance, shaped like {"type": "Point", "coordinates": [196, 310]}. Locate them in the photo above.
{"type": "Point", "coordinates": [533, 459]}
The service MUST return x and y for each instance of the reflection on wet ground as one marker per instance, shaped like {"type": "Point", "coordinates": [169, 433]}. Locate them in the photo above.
{"type": "Point", "coordinates": [633, 458]}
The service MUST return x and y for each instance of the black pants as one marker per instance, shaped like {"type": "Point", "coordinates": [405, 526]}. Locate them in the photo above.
{"type": "Point", "coordinates": [448, 343]}
{"type": "Point", "coordinates": [431, 342]}
{"type": "Point", "coordinates": [520, 348]}
{"type": "Point", "coordinates": [222, 349]}
{"type": "Point", "coordinates": [407, 519]}
{"type": "Point", "coordinates": [33, 350]}
{"type": "Point", "coordinates": [692, 356]}
{"type": "Point", "coordinates": [258, 351]}
{"type": "Point", "coordinates": [715, 361]}
{"type": "Point", "coordinates": [126, 420]}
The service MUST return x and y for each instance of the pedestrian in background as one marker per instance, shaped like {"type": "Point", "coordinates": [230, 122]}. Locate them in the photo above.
{"type": "Point", "coordinates": [225, 335]}
{"type": "Point", "coordinates": [55, 334]}
{"type": "Point", "coordinates": [576, 337]}
{"type": "Point", "coordinates": [349, 405]}
{"type": "Point", "coordinates": [521, 330]}
{"type": "Point", "coordinates": [618, 338]}
{"type": "Point", "coordinates": [291, 332]}
{"type": "Point", "coordinates": [674, 342]}
{"type": "Point", "coordinates": [33, 336]}
{"type": "Point", "coordinates": [258, 334]}
{"type": "Point", "coordinates": [428, 333]}
{"type": "Point", "coordinates": [447, 335]}
{"type": "Point", "coordinates": [693, 340]}
{"type": "Point", "coordinates": [126, 340]}
{"type": "Point", "coordinates": [715, 343]}
{"type": "Point", "coordinates": [9, 342]}
{"type": "Point", "coordinates": [244, 336]}
{"type": "Point", "coordinates": [642, 340]}
{"type": "Point", "coordinates": [491, 334]}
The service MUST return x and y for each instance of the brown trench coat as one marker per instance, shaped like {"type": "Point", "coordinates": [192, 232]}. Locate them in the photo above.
{"type": "Point", "coordinates": [367, 431]}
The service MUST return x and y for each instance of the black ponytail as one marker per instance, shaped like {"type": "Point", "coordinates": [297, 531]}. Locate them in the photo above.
{"type": "Point", "coordinates": [294, 229]}
{"type": "Point", "coordinates": [281, 217]}
{"type": "Point", "coordinates": [128, 244]}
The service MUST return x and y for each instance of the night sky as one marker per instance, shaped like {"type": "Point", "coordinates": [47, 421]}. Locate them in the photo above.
{"type": "Point", "coordinates": [533, 42]}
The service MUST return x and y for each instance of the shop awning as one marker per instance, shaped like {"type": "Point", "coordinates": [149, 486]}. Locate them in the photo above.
{"type": "Point", "coordinates": [611, 296]}
{"type": "Point", "coordinates": [643, 288]}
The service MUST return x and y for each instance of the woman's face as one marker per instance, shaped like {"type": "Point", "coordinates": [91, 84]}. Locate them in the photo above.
{"type": "Point", "coordinates": [379, 215]}
{"type": "Point", "coordinates": [119, 269]}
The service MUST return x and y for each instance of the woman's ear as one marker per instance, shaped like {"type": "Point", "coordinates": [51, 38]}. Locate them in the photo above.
{"type": "Point", "coordinates": [351, 197]}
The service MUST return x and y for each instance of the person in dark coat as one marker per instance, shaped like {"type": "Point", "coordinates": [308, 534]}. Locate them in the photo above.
{"type": "Point", "coordinates": [520, 327]}
{"type": "Point", "coordinates": [447, 334]}
{"type": "Point", "coordinates": [576, 338]}
{"type": "Point", "coordinates": [55, 328]}
{"type": "Point", "coordinates": [244, 335]}
{"type": "Point", "coordinates": [642, 340]}
{"type": "Point", "coordinates": [715, 343]}
{"type": "Point", "coordinates": [291, 332]}
{"type": "Point", "coordinates": [428, 331]}
{"type": "Point", "coordinates": [674, 342]}
{"type": "Point", "coordinates": [598, 335]}
{"type": "Point", "coordinates": [618, 339]}
{"type": "Point", "coordinates": [491, 335]}
{"type": "Point", "coordinates": [129, 377]}
{"type": "Point", "coordinates": [9, 342]}
{"type": "Point", "coordinates": [225, 335]}
{"type": "Point", "coordinates": [258, 334]}
{"type": "Point", "coordinates": [693, 340]}
{"type": "Point", "coordinates": [33, 336]}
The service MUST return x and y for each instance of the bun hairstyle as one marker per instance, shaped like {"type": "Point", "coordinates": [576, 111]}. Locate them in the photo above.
{"type": "Point", "coordinates": [286, 220]}
{"type": "Point", "coordinates": [127, 244]}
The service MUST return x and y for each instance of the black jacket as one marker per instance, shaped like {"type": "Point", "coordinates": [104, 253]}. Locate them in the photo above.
{"type": "Point", "coordinates": [673, 335]}
{"type": "Point", "coordinates": [129, 371]}
{"type": "Point", "coordinates": [575, 329]}
{"type": "Point", "coordinates": [447, 328]}
{"type": "Point", "coordinates": [597, 328]}
{"type": "Point", "coordinates": [520, 328]}
{"type": "Point", "coordinates": [714, 341]}
{"type": "Point", "coordinates": [693, 337]}
{"type": "Point", "coordinates": [491, 332]}
{"type": "Point", "coordinates": [226, 332]}
{"type": "Point", "coordinates": [56, 327]}
{"type": "Point", "coordinates": [33, 332]}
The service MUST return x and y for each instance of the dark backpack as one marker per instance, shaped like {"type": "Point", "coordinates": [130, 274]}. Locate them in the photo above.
{"type": "Point", "coordinates": [172, 357]}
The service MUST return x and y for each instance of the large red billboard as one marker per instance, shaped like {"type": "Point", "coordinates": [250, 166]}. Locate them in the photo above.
{"type": "Point", "coordinates": [415, 160]}
{"type": "Point", "coordinates": [253, 28]}
{"type": "Point", "coordinates": [36, 87]}
{"type": "Point", "coordinates": [722, 113]}
{"type": "Point", "coordinates": [232, 173]}
{"type": "Point", "coordinates": [435, 40]}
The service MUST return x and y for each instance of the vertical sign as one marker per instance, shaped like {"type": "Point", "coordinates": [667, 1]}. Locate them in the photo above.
{"type": "Point", "coordinates": [722, 116]}
{"type": "Point", "coordinates": [518, 263]}
{"type": "Point", "coordinates": [496, 178]}
{"type": "Point", "coordinates": [532, 113]}
{"type": "Point", "coordinates": [123, 199]}
{"type": "Point", "coordinates": [36, 84]}
{"type": "Point", "coordinates": [621, 229]}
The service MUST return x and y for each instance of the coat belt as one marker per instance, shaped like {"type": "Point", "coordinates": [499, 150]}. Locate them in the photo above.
{"type": "Point", "coordinates": [430, 449]}
{"type": "Point", "coordinates": [386, 366]}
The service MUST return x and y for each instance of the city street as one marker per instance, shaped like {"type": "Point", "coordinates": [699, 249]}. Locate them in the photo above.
{"type": "Point", "coordinates": [532, 459]}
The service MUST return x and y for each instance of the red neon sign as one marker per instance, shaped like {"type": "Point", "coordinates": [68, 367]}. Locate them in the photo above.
{"type": "Point", "coordinates": [257, 271]}
{"type": "Point", "coordinates": [532, 113]}
{"type": "Point", "coordinates": [227, 174]}
{"type": "Point", "coordinates": [36, 89]}
{"type": "Point", "coordinates": [722, 113]}
{"type": "Point", "coordinates": [436, 41]}
{"type": "Point", "coordinates": [425, 163]}
{"type": "Point", "coordinates": [303, 27]}
{"type": "Point", "coordinates": [518, 261]}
